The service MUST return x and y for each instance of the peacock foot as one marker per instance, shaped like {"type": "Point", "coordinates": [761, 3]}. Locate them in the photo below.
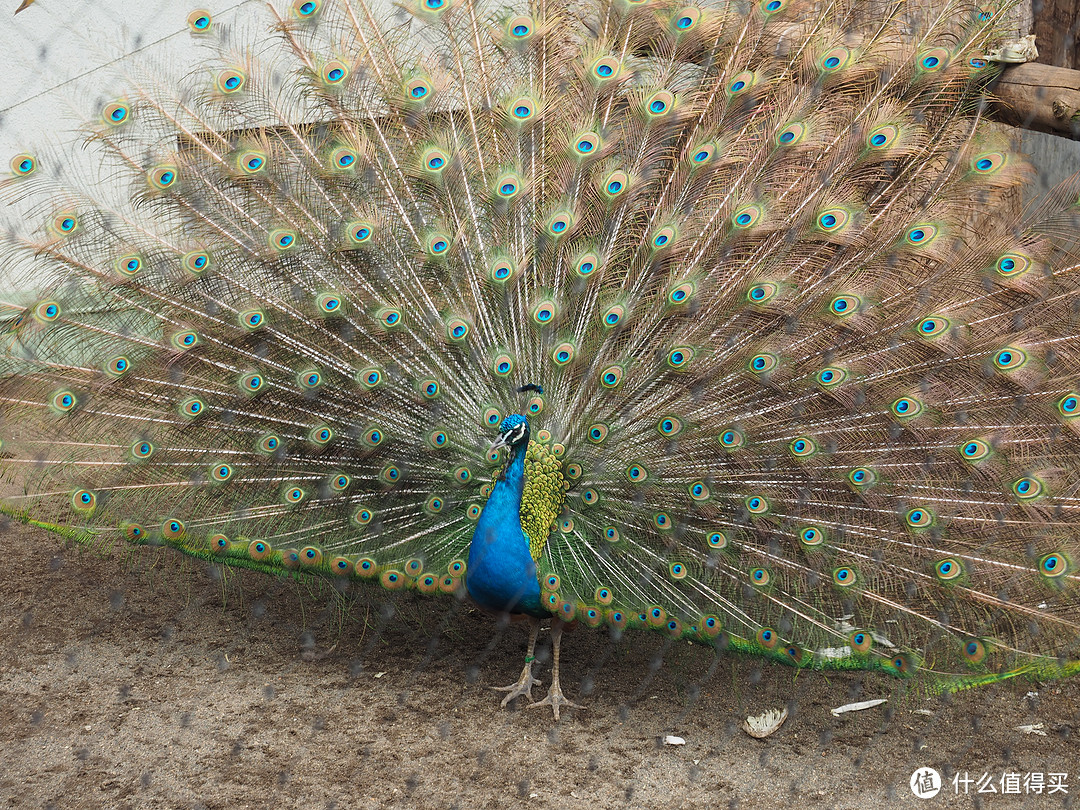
{"type": "Point", "coordinates": [523, 686]}
{"type": "Point", "coordinates": [555, 698]}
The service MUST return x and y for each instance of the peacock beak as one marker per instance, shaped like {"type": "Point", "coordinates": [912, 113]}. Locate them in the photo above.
{"type": "Point", "coordinates": [502, 440]}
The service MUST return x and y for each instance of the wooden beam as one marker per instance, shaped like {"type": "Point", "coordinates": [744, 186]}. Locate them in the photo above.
{"type": "Point", "coordinates": [1039, 97]}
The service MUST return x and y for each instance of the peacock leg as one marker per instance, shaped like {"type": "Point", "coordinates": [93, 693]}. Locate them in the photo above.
{"type": "Point", "coordinates": [526, 682]}
{"type": "Point", "coordinates": [555, 697]}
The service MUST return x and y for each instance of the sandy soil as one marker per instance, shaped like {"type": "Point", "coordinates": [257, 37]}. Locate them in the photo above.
{"type": "Point", "coordinates": [142, 680]}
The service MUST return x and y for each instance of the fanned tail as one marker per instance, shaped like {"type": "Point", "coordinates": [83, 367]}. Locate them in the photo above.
{"type": "Point", "coordinates": [809, 389]}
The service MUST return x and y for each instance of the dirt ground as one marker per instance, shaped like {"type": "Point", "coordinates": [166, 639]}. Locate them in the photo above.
{"type": "Point", "coordinates": [142, 680]}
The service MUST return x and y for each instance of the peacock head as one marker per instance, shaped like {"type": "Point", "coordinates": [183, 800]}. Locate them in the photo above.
{"type": "Point", "coordinates": [513, 433]}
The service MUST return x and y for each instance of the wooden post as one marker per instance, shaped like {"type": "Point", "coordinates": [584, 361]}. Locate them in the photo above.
{"type": "Point", "coordinates": [1039, 97]}
{"type": "Point", "coordinates": [1056, 23]}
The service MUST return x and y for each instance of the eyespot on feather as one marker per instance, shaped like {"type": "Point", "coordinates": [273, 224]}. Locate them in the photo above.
{"type": "Point", "coordinates": [141, 450]}
{"type": "Point", "coordinates": [835, 60]}
{"type": "Point", "coordinates": [320, 435]}
{"type": "Point", "coordinates": [844, 306]}
{"type": "Point", "coordinates": [919, 518]}
{"type": "Point", "coordinates": [64, 224]}
{"type": "Point", "coordinates": [975, 450]}
{"type": "Point", "coordinates": [502, 270]}
{"type": "Point", "coordinates": [1009, 359]}
{"type": "Point", "coordinates": [1054, 565]}
{"type": "Point", "coordinates": [921, 235]}
{"type": "Point", "coordinates": [334, 73]}
{"type": "Point", "coordinates": [767, 638]}
{"type": "Point", "coordinates": [862, 478]}
{"type": "Point", "coordinates": [831, 377]}
{"type": "Point", "coordinates": [756, 505]}
{"type": "Point", "coordinates": [906, 408]}
{"type": "Point", "coordinates": [1069, 406]}
{"type": "Point", "coordinates": [563, 353]}
{"type": "Point", "coordinates": [199, 21]}
{"type": "Point", "coordinates": [191, 408]}
{"type": "Point", "coordinates": [702, 154]}
{"type": "Point", "coordinates": [948, 569]}
{"type": "Point", "coordinates": [741, 82]}
{"type": "Point", "coordinates": [172, 529]}
{"type": "Point", "coordinates": [196, 262]}
{"type": "Point", "coordinates": [669, 426]}
{"type": "Point", "coordinates": [251, 162]}
{"type": "Point", "coordinates": [1011, 265]}
{"type": "Point", "coordinates": [417, 90]}
{"type": "Point", "coordinates": [219, 543]}
{"type": "Point", "coordinates": [116, 113]}
{"type": "Point", "coordinates": [747, 216]}
{"type": "Point", "coordinates": [282, 239]}
{"type": "Point", "coordinates": [681, 294]}
{"type": "Point", "coordinates": [586, 144]}
{"type": "Point", "coordinates": [605, 69]}
{"type": "Point", "coordinates": [508, 185]}
{"type": "Point", "coordinates": [762, 293]}
{"type": "Point", "coordinates": [434, 161]}
{"type": "Point", "coordinates": [519, 28]}
{"type": "Point", "coordinates": [611, 377]}
{"type": "Point", "coordinates": [933, 327]}
{"type": "Point", "coordinates": [883, 137]}
{"type": "Point", "coordinates": [933, 60]}
{"type": "Point", "coordinates": [770, 8]}
{"type": "Point", "coordinates": [685, 19]}
{"type": "Point", "coordinates": [306, 9]}
{"type": "Point", "coordinates": [230, 81]}
{"type": "Point", "coordinates": [680, 358]}
{"type": "Point", "coordinates": [861, 641]}
{"type": "Point", "coordinates": [613, 316]}
{"type": "Point", "coordinates": [457, 329]}
{"type": "Point", "coordinates": [521, 110]}
{"type": "Point", "coordinates": [660, 104]}
{"type": "Point", "coordinates": [763, 363]}
{"type": "Point", "coordinates": [23, 165]}
{"type": "Point", "coordinates": [1027, 488]}
{"type": "Point", "coordinates": [268, 444]}
{"type": "Point", "coordinates": [437, 245]}
{"type": "Point", "coordinates": [832, 220]}
{"type": "Point", "coordinates": [988, 162]}
{"type": "Point", "coordinates": [117, 366]}
{"type": "Point", "coordinates": [812, 536]}
{"type": "Point", "coordinates": [791, 135]}
{"type": "Point", "coordinates": [732, 439]}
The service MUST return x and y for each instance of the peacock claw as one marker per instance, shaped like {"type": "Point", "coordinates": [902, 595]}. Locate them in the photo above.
{"type": "Point", "coordinates": [523, 686]}
{"type": "Point", "coordinates": [555, 698]}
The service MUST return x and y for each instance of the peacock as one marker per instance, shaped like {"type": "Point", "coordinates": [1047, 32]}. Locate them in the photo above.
{"type": "Point", "coordinates": [714, 319]}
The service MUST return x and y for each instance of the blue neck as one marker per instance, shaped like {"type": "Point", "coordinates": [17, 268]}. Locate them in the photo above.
{"type": "Point", "coordinates": [501, 574]}
{"type": "Point", "coordinates": [507, 492]}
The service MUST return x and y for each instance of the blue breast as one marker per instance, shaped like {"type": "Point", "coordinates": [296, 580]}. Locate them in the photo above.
{"type": "Point", "coordinates": [501, 574]}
